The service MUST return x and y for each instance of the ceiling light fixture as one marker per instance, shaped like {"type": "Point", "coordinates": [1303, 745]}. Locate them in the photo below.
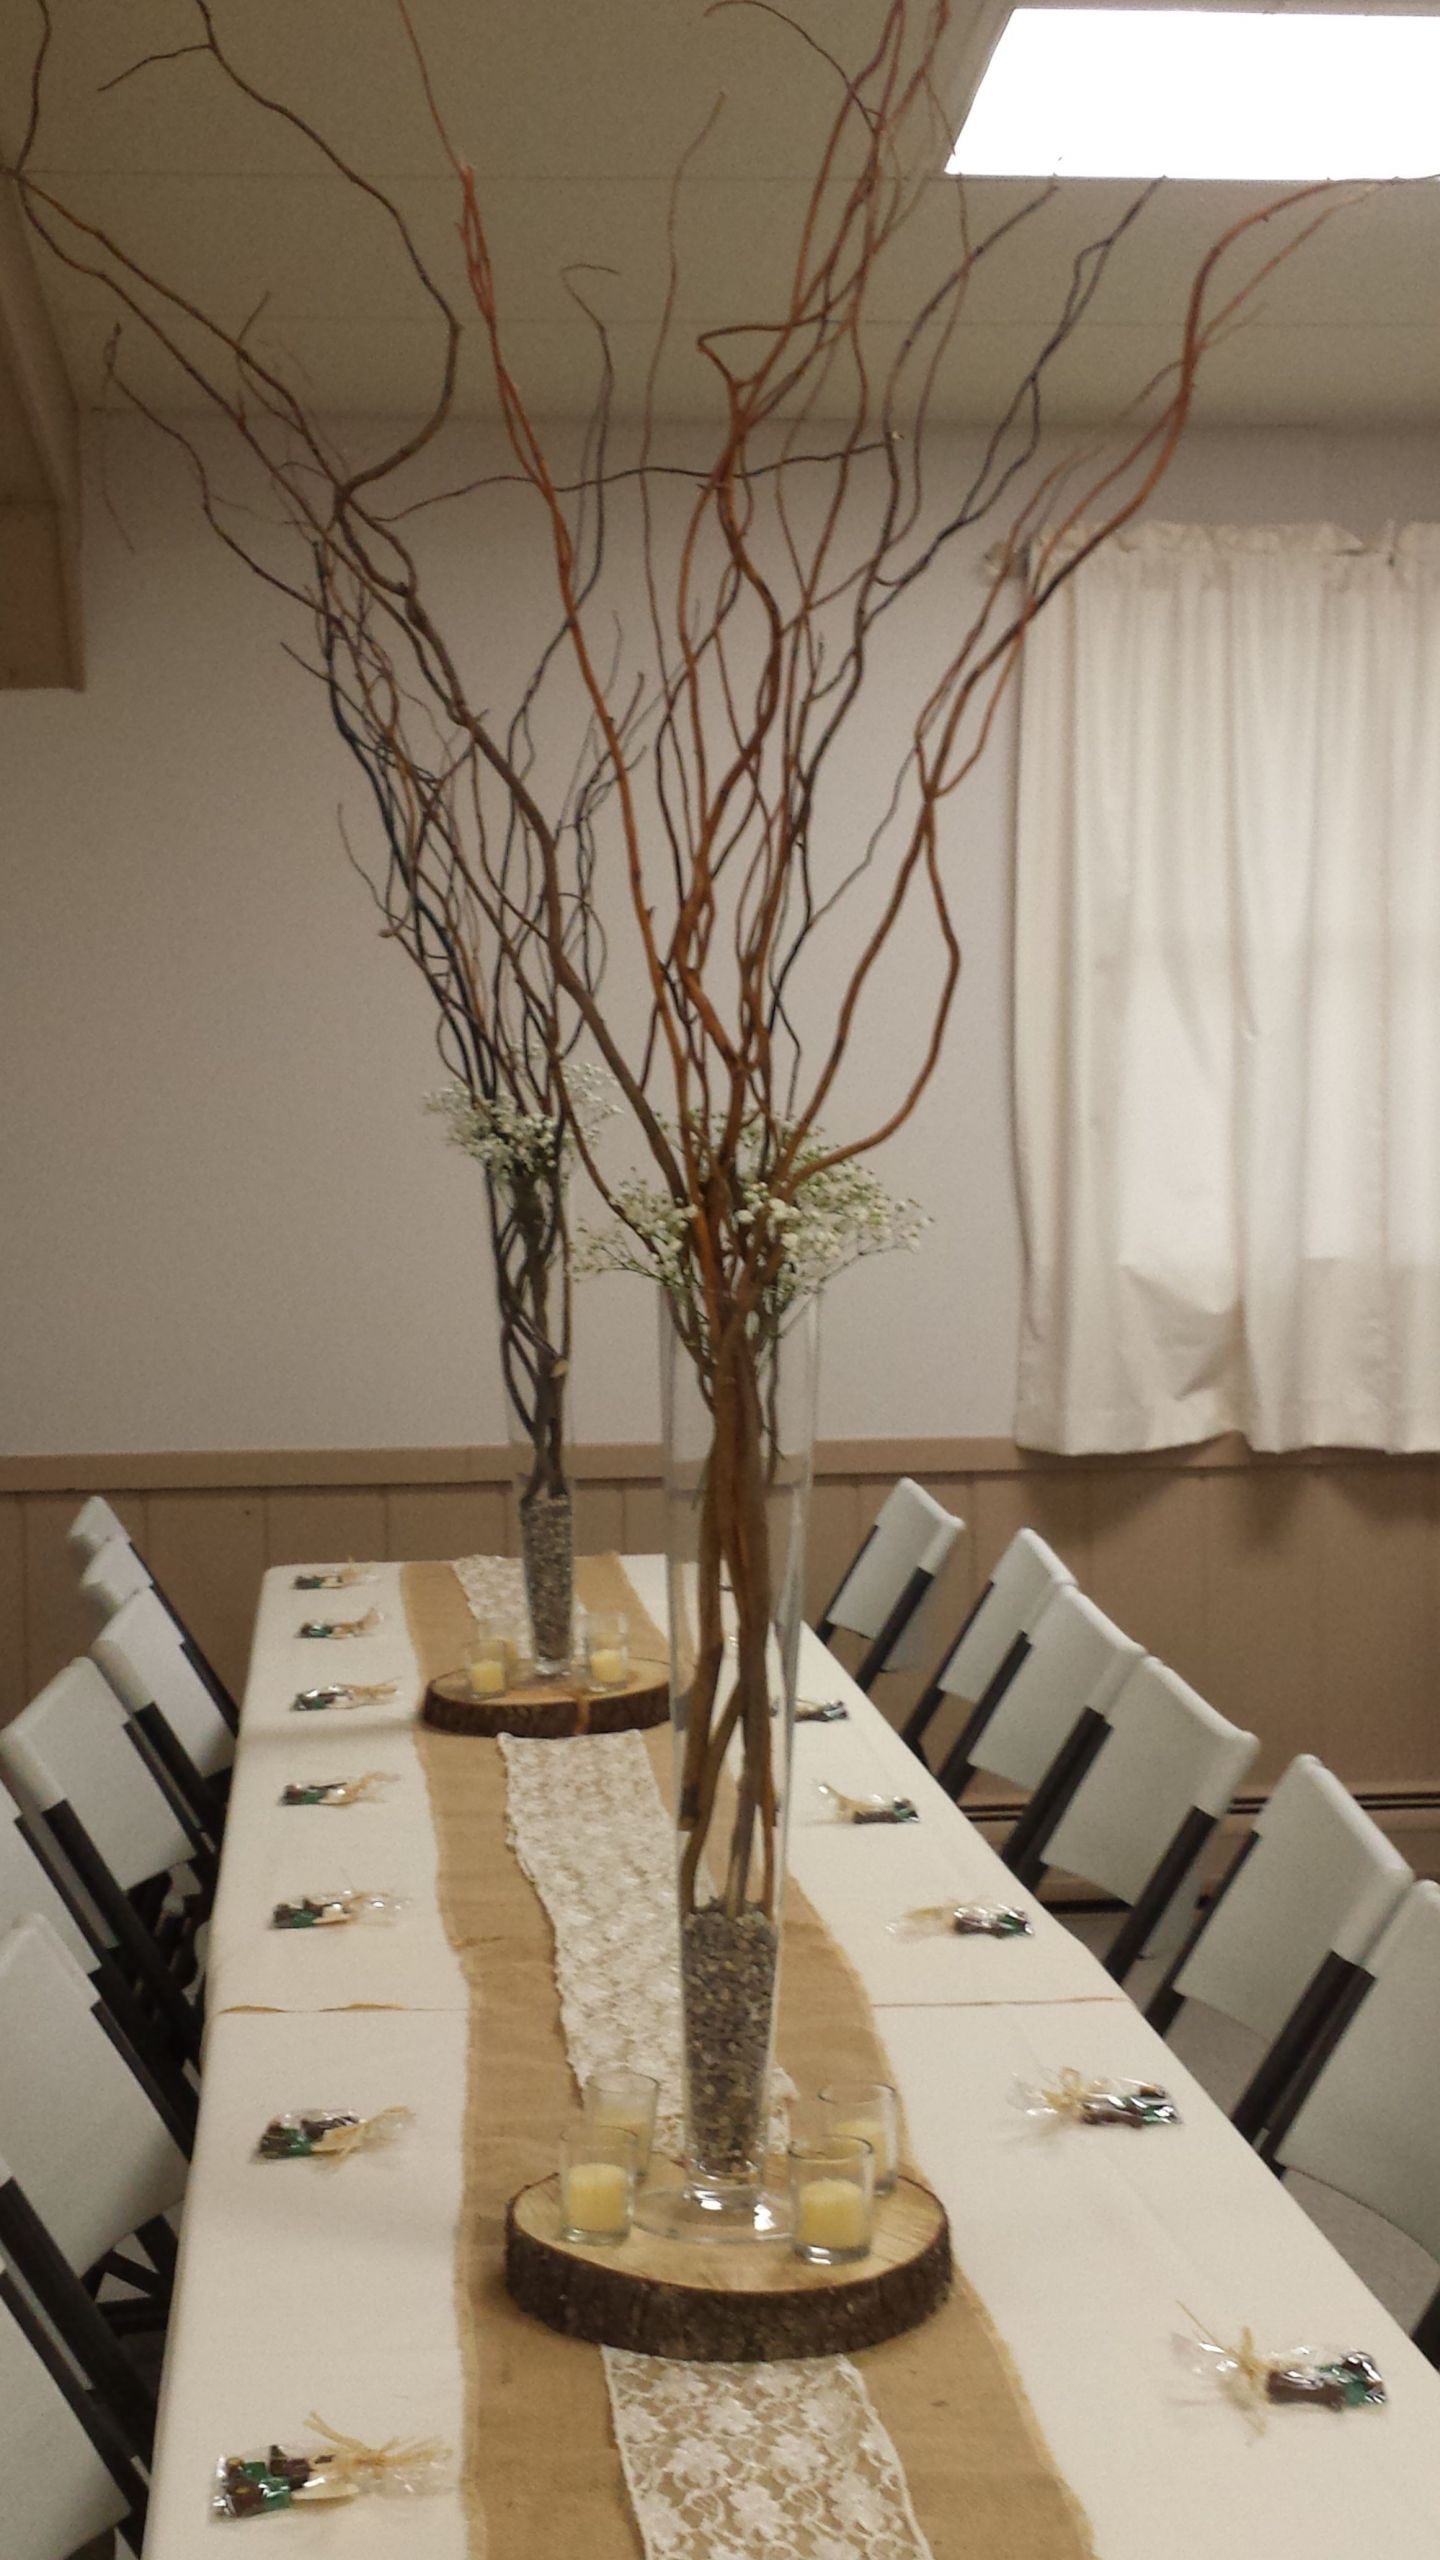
{"type": "Point", "coordinates": [1205, 93]}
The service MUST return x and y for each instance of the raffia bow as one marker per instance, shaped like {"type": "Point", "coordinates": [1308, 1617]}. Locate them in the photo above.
{"type": "Point", "coordinates": [365, 1626]}
{"type": "Point", "coordinates": [342, 2139]}
{"type": "Point", "coordinates": [372, 2466]}
{"type": "Point", "coordinates": [1068, 2095]}
{"type": "Point", "coordinates": [1244, 2372]}
{"type": "Point", "coordinates": [360, 1790]}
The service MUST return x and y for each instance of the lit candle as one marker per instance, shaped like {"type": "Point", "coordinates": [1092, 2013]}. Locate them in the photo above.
{"type": "Point", "coordinates": [876, 2132]}
{"type": "Point", "coordinates": [597, 2199]}
{"type": "Point", "coordinates": [608, 1667]}
{"type": "Point", "coordinates": [833, 2215]}
{"type": "Point", "coordinates": [487, 1676]}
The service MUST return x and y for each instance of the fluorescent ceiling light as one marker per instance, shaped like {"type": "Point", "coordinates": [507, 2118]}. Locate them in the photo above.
{"type": "Point", "coordinates": [1205, 93]}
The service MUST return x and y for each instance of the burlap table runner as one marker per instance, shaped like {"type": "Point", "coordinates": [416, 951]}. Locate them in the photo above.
{"type": "Point", "coordinates": [541, 2472]}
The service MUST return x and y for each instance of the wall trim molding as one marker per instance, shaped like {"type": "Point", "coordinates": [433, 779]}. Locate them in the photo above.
{"type": "Point", "coordinates": [637, 1461]}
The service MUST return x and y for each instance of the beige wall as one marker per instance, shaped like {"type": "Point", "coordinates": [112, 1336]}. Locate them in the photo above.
{"type": "Point", "coordinates": [229, 1234]}
{"type": "Point", "coordinates": [227, 1224]}
{"type": "Point", "coordinates": [1302, 1598]}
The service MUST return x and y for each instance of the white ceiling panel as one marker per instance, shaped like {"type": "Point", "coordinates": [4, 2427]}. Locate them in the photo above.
{"type": "Point", "coordinates": [575, 116]}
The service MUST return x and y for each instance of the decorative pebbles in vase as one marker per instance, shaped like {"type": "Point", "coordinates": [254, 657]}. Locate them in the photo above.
{"type": "Point", "coordinates": [739, 1440]}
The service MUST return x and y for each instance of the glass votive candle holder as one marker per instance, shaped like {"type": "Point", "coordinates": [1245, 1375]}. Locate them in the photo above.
{"type": "Point", "coordinates": [597, 2181]}
{"type": "Point", "coordinates": [866, 2111]}
{"type": "Point", "coordinates": [832, 2200]}
{"type": "Point", "coordinates": [607, 1649]}
{"type": "Point", "coordinates": [490, 1665]}
{"type": "Point", "coordinates": [625, 2101]}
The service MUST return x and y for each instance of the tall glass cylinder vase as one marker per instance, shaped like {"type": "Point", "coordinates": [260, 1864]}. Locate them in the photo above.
{"type": "Point", "coordinates": [537, 1404]}
{"type": "Point", "coordinates": [545, 1505]}
{"type": "Point", "coordinates": [739, 1442]}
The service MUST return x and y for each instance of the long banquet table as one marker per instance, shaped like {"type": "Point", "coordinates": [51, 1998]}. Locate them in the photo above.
{"type": "Point", "coordinates": [335, 2292]}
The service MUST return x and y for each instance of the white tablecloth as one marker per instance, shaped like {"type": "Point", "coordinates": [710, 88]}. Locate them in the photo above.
{"type": "Point", "coordinates": [308, 2286]}
{"type": "Point", "coordinates": [276, 1853]}
{"type": "Point", "coordinates": [302, 2287]}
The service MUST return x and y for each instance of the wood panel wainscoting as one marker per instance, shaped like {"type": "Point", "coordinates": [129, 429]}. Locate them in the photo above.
{"type": "Point", "coordinates": [1301, 1595]}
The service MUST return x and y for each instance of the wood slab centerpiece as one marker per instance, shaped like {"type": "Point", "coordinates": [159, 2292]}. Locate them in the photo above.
{"type": "Point", "coordinates": [549, 1710]}
{"type": "Point", "coordinates": [699, 2303]}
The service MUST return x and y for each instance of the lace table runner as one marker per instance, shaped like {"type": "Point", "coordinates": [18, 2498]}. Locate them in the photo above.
{"type": "Point", "coordinates": [495, 1588]}
{"type": "Point", "coordinates": [723, 2462]}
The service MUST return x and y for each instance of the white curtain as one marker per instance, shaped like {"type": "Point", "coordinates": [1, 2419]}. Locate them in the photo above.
{"type": "Point", "coordinates": [1227, 1006]}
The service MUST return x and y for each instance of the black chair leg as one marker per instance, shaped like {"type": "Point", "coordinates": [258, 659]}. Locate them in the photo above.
{"type": "Point", "coordinates": [1024, 1851]}
{"type": "Point", "coordinates": [1164, 2009]}
{"type": "Point", "coordinates": [1156, 1897]}
{"type": "Point", "coordinates": [1426, 2332]}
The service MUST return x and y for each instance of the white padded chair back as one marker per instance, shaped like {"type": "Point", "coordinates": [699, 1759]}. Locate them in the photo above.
{"type": "Point", "coordinates": [112, 1574]}
{"type": "Point", "coordinates": [913, 1533]}
{"type": "Point", "coordinates": [1078, 1658]}
{"type": "Point", "coordinates": [76, 2128]}
{"type": "Point", "coordinates": [57, 2492]}
{"type": "Point", "coordinates": [73, 1743]}
{"type": "Point", "coordinates": [142, 1657]}
{"type": "Point", "coordinates": [1167, 1754]}
{"type": "Point", "coordinates": [1369, 2124]}
{"type": "Point", "coordinates": [93, 1526]}
{"type": "Point", "coordinates": [25, 1887]}
{"type": "Point", "coordinates": [1321, 1879]}
{"type": "Point", "coordinates": [1027, 1577]}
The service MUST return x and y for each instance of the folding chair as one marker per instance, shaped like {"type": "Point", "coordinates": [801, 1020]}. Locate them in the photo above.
{"type": "Point", "coordinates": [1144, 1789]}
{"type": "Point", "coordinates": [77, 1768]}
{"type": "Point", "coordinates": [990, 1648]}
{"type": "Point", "coordinates": [111, 1577]}
{"type": "Point", "coordinates": [1301, 1907]}
{"type": "Point", "coordinates": [142, 1657]}
{"type": "Point", "coordinates": [1363, 2115]}
{"type": "Point", "coordinates": [1073, 1665]}
{"type": "Point", "coordinates": [67, 2472]}
{"type": "Point", "coordinates": [34, 1878]}
{"type": "Point", "coordinates": [889, 1579]}
{"type": "Point", "coordinates": [88, 2154]}
{"type": "Point", "coordinates": [95, 1527]}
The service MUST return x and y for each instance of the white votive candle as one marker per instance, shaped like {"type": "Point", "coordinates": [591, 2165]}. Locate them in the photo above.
{"type": "Point", "coordinates": [833, 2215]}
{"type": "Point", "coordinates": [597, 2180]}
{"type": "Point", "coordinates": [831, 2191]}
{"type": "Point", "coordinates": [608, 1667]}
{"type": "Point", "coordinates": [597, 2199]}
{"type": "Point", "coordinates": [487, 1676]}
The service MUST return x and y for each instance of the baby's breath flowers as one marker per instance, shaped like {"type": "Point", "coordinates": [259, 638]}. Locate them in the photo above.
{"type": "Point", "coordinates": [523, 1149]}
{"type": "Point", "coordinates": [838, 1214]}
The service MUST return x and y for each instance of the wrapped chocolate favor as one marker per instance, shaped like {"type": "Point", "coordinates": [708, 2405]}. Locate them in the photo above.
{"type": "Point", "coordinates": [337, 1910]}
{"type": "Point", "coordinates": [317, 2133]}
{"type": "Point", "coordinates": [964, 1920]}
{"type": "Point", "coordinates": [1336, 2378]}
{"type": "Point", "coordinates": [343, 1693]}
{"type": "Point", "coordinates": [865, 1809]}
{"type": "Point", "coordinates": [1072, 2099]}
{"type": "Point", "coordinates": [340, 1791]}
{"type": "Point", "coordinates": [340, 1578]}
{"type": "Point", "coordinates": [261, 2484]}
{"type": "Point", "coordinates": [365, 1626]}
{"type": "Point", "coordinates": [341, 2467]}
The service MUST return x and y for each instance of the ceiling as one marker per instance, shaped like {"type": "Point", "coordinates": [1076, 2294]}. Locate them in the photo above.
{"type": "Point", "coordinates": [574, 116]}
